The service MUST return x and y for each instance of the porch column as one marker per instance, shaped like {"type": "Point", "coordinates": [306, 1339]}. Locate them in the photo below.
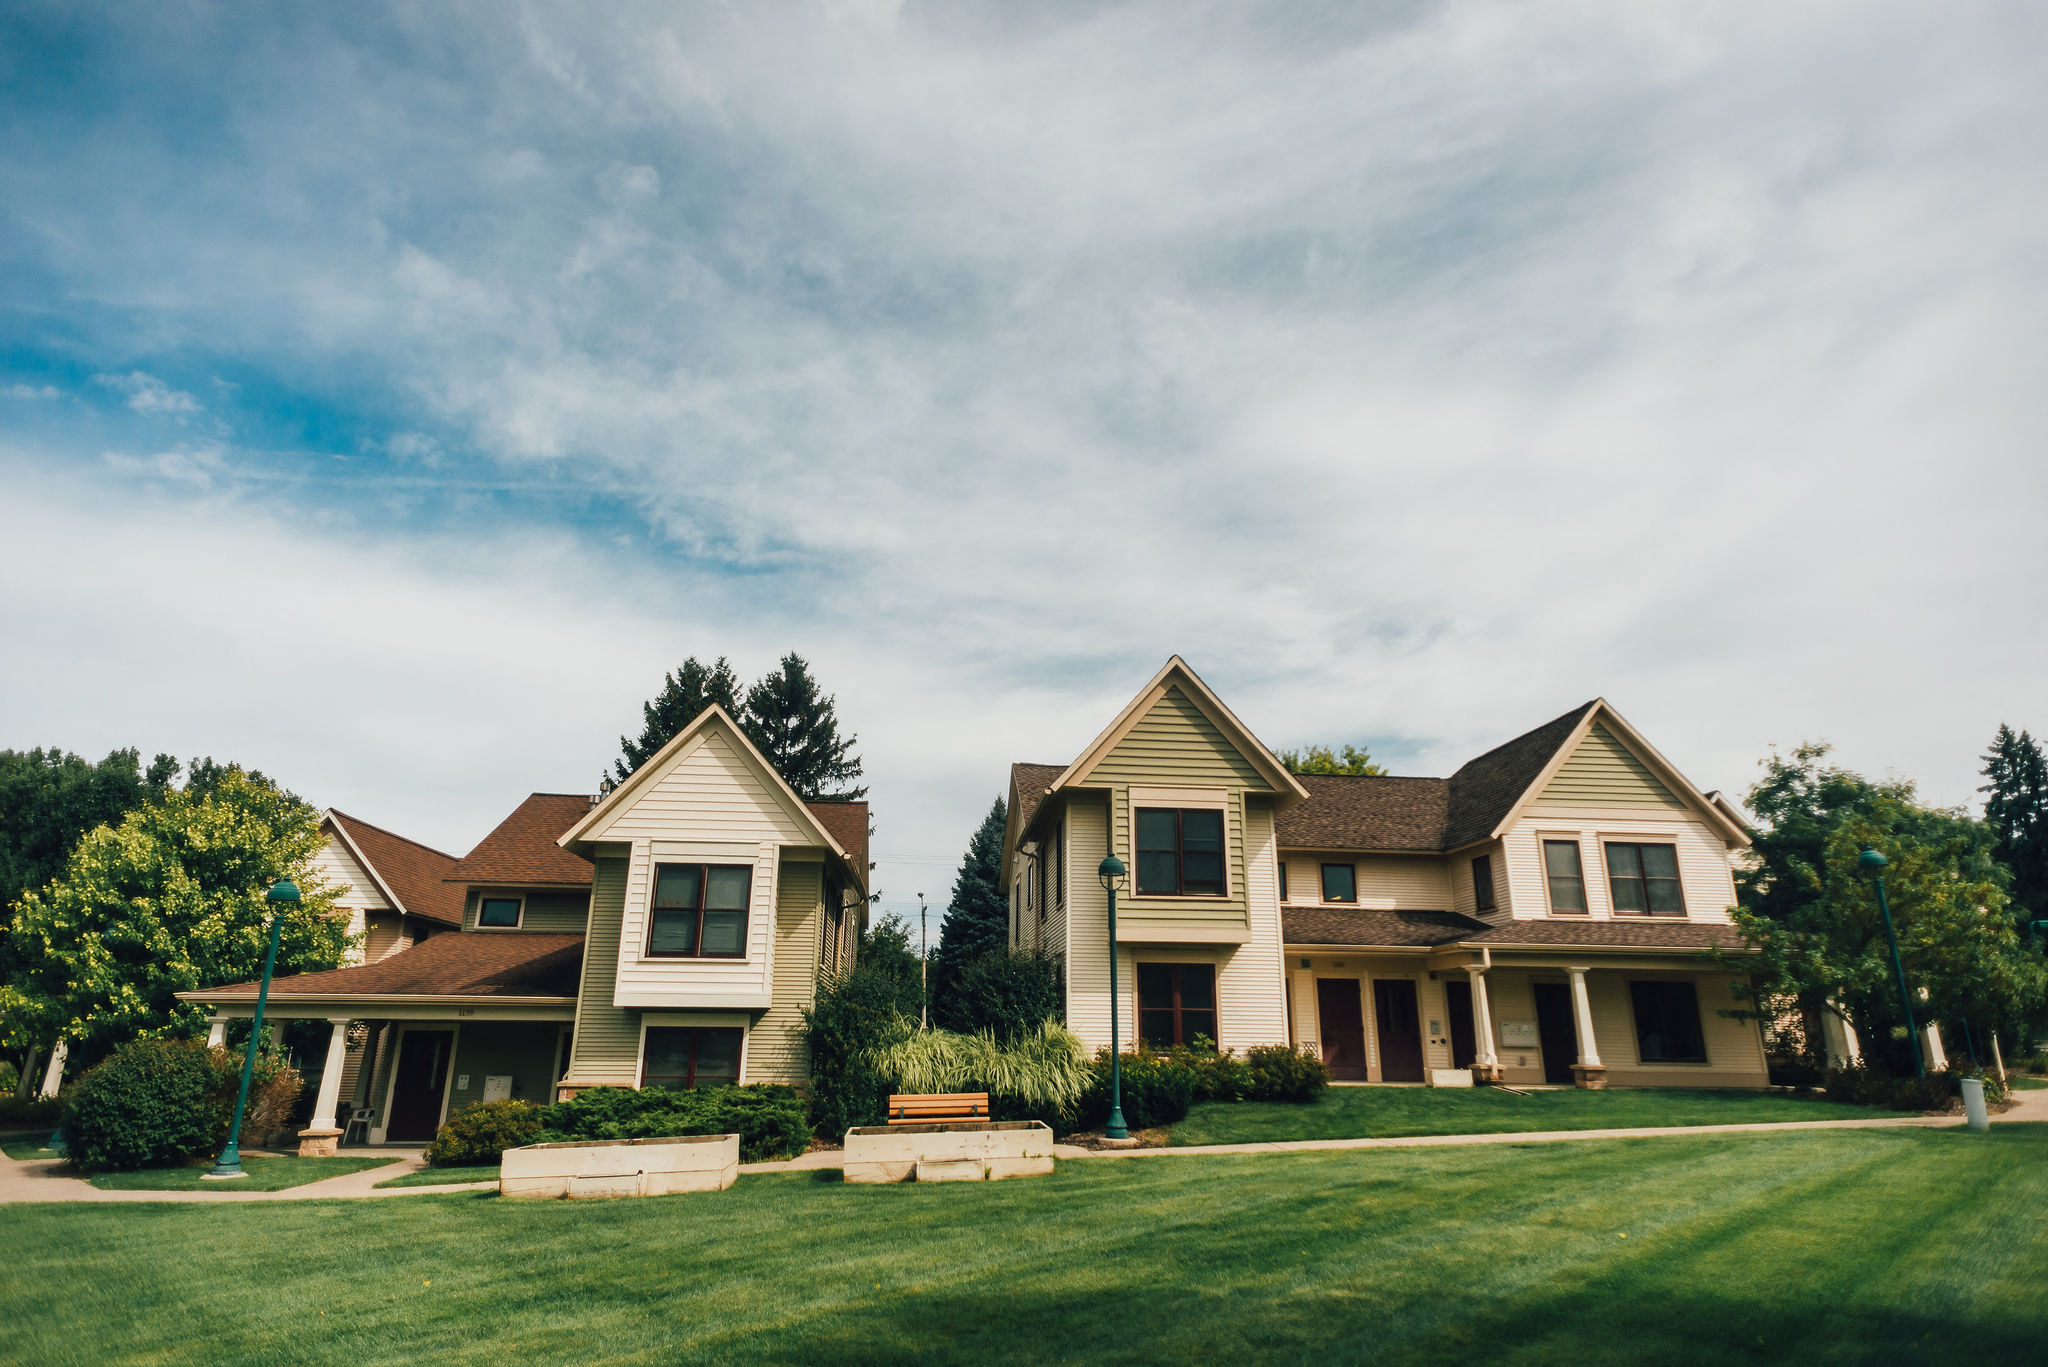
{"type": "Point", "coordinates": [216, 1031]}
{"type": "Point", "coordinates": [323, 1137]}
{"type": "Point", "coordinates": [1488, 1069]}
{"type": "Point", "coordinates": [1839, 1038]}
{"type": "Point", "coordinates": [1937, 1057]}
{"type": "Point", "coordinates": [53, 1076]}
{"type": "Point", "coordinates": [1592, 1073]}
{"type": "Point", "coordinates": [277, 1037]}
{"type": "Point", "coordinates": [28, 1074]}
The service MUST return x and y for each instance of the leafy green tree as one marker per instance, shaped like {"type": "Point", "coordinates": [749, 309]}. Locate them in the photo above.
{"type": "Point", "coordinates": [1321, 759]}
{"type": "Point", "coordinates": [684, 694]}
{"type": "Point", "coordinates": [797, 728]}
{"type": "Point", "coordinates": [977, 920]}
{"type": "Point", "coordinates": [886, 952]}
{"type": "Point", "coordinates": [169, 900]}
{"type": "Point", "coordinates": [49, 798]}
{"type": "Point", "coordinates": [2017, 809]}
{"type": "Point", "coordinates": [1010, 995]}
{"type": "Point", "coordinates": [1813, 914]}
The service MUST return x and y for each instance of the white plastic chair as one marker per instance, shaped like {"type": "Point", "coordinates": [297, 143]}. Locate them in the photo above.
{"type": "Point", "coordinates": [365, 1116]}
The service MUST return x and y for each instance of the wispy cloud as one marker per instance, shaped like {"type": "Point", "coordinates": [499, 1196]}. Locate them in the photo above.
{"type": "Point", "coordinates": [150, 396]}
{"type": "Point", "coordinates": [32, 391]}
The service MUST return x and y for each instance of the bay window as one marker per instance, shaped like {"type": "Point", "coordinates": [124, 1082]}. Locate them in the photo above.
{"type": "Point", "coordinates": [699, 911]}
{"type": "Point", "coordinates": [1180, 852]}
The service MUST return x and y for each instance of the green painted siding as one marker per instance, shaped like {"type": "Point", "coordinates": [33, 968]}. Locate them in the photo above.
{"type": "Point", "coordinates": [607, 1047]}
{"type": "Point", "coordinates": [1175, 746]}
{"type": "Point", "coordinates": [524, 1051]}
{"type": "Point", "coordinates": [564, 912]}
{"type": "Point", "coordinates": [775, 1046]}
{"type": "Point", "coordinates": [1603, 773]}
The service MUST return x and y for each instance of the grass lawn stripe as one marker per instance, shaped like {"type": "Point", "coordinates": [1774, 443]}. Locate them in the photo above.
{"type": "Point", "coordinates": [1839, 1246]}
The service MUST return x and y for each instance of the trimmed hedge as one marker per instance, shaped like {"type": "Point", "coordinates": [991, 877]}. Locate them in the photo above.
{"type": "Point", "coordinates": [483, 1132]}
{"type": "Point", "coordinates": [1270, 1072]}
{"type": "Point", "coordinates": [160, 1103]}
{"type": "Point", "coordinates": [1865, 1087]}
{"type": "Point", "coordinates": [1156, 1092]}
{"type": "Point", "coordinates": [770, 1120]}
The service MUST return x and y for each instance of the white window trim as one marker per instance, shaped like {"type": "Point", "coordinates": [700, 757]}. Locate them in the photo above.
{"type": "Point", "coordinates": [1201, 799]}
{"type": "Point", "coordinates": [484, 897]}
{"type": "Point", "coordinates": [691, 1020]}
{"type": "Point", "coordinates": [1592, 912]}
{"type": "Point", "coordinates": [756, 855]}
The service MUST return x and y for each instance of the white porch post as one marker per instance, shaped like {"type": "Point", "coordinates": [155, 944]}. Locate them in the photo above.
{"type": "Point", "coordinates": [1482, 1023]}
{"type": "Point", "coordinates": [1592, 1073]}
{"type": "Point", "coordinates": [1937, 1057]}
{"type": "Point", "coordinates": [28, 1074]}
{"type": "Point", "coordinates": [323, 1136]}
{"type": "Point", "coordinates": [53, 1076]}
{"type": "Point", "coordinates": [277, 1037]}
{"type": "Point", "coordinates": [216, 1031]}
{"type": "Point", "coordinates": [1839, 1036]}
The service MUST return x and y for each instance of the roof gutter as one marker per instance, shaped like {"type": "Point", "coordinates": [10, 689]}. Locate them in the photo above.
{"type": "Point", "coordinates": [378, 998]}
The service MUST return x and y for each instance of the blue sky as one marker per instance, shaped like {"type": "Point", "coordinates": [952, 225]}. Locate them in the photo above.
{"type": "Point", "coordinates": [388, 397]}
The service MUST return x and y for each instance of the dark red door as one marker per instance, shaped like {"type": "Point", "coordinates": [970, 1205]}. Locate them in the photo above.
{"type": "Point", "coordinates": [1458, 1002]}
{"type": "Point", "coordinates": [1340, 1020]}
{"type": "Point", "coordinates": [416, 1091]}
{"type": "Point", "coordinates": [1400, 1024]}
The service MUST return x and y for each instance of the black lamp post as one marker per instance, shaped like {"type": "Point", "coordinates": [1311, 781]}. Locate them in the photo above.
{"type": "Point", "coordinates": [283, 894]}
{"type": "Point", "coordinates": [1111, 872]}
{"type": "Point", "coordinates": [1875, 863]}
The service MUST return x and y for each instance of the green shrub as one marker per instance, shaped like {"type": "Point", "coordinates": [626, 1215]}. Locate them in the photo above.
{"type": "Point", "coordinates": [1217, 1075]}
{"type": "Point", "coordinates": [1156, 1092]}
{"type": "Point", "coordinates": [149, 1104]}
{"type": "Point", "coordinates": [769, 1120]}
{"type": "Point", "coordinates": [1279, 1073]}
{"type": "Point", "coordinates": [31, 1112]}
{"type": "Point", "coordinates": [1008, 995]}
{"type": "Point", "coordinates": [1867, 1087]}
{"type": "Point", "coordinates": [483, 1132]}
{"type": "Point", "coordinates": [856, 1016]}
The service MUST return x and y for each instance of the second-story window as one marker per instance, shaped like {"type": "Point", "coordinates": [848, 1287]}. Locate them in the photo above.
{"type": "Point", "coordinates": [1180, 852]}
{"type": "Point", "coordinates": [700, 911]}
{"type": "Point", "coordinates": [498, 913]}
{"type": "Point", "coordinates": [1644, 879]}
{"type": "Point", "coordinates": [1340, 882]}
{"type": "Point", "coordinates": [1566, 876]}
{"type": "Point", "coordinates": [1482, 883]}
{"type": "Point", "coordinates": [1283, 880]}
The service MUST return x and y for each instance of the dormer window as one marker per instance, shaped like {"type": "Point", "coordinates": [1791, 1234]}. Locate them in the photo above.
{"type": "Point", "coordinates": [1340, 882]}
{"type": "Point", "coordinates": [498, 913]}
{"type": "Point", "coordinates": [1180, 852]}
{"type": "Point", "coordinates": [699, 911]}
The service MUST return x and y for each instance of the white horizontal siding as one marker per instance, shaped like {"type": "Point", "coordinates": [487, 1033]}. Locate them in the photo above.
{"type": "Point", "coordinates": [708, 791]}
{"type": "Point", "coordinates": [1385, 882]}
{"type": "Point", "coordinates": [339, 869]}
{"type": "Point", "coordinates": [1704, 873]}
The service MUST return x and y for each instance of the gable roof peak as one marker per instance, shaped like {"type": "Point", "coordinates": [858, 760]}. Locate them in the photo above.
{"type": "Point", "coordinates": [1177, 672]}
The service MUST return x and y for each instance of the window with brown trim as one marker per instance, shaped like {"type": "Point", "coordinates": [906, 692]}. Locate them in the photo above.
{"type": "Point", "coordinates": [1340, 882]}
{"type": "Point", "coordinates": [1482, 882]}
{"type": "Point", "coordinates": [1667, 1022]}
{"type": "Point", "coordinates": [1644, 879]}
{"type": "Point", "coordinates": [1176, 1004]}
{"type": "Point", "coordinates": [1180, 852]}
{"type": "Point", "coordinates": [699, 911]}
{"type": "Point", "coordinates": [680, 1059]}
{"type": "Point", "coordinates": [1566, 876]}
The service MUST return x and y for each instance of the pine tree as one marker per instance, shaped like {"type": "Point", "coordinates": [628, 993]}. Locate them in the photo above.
{"type": "Point", "coordinates": [977, 920]}
{"type": "Point", "coordinates": [684, 694]}
{"type": "Point", "coordinates": [2017, 809]}
{"type": "Point", "coordinates": [797, 728]}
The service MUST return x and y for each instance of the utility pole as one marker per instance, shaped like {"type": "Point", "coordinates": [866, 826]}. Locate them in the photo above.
{"type": "Point", "coordinates": [924, 991]}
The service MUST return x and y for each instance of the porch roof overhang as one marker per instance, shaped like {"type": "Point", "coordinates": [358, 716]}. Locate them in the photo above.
{"type": "Point", "coordinates": [387, 1006]}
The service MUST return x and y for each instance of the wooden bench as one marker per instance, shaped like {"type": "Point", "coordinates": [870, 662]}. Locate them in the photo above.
{"type": "Point", "coordinates": [937, 1108]}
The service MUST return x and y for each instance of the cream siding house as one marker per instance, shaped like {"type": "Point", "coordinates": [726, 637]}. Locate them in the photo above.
{"type": "Point", "coordinates": [1545, 914]}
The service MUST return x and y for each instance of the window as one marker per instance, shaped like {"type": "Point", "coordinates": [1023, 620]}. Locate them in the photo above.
{"type": "Point", "coordinates": [1283, 880]}
{"type": "Point", "coordinates": [1180, 852]}
{"type": "Point", "coordinates": [1043, 871]}
{"type": "Point", "coordinates": [700, 911]}
{"type": "Point", "coordinates": [498, 913]}
{"type": "Point", "coordinates": [1645, 880]}
{"type": "Point", "coordinates": [1340, 882]}
{"type": "Point", "coordinates": [1176, 1002]}
{"type": "Point", "coordinates": [1567, 877]}
{"type": "Point", "coordinates": [1482, 883]}
{"type": "Point", "coordinates": [681, 1059]}
{"type": "Point", "coordinates": [1059, 862]}
{"type": "Point", "coordinates": [1667, 1023]}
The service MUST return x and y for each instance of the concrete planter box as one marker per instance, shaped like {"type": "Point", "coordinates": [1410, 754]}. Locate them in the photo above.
{"type": "Point", "coordinates": [949, 1151]}
{"type": "Point", "coordinates": [1450, 1077]}
{"type": "Point", "coordinates": [584, 1169]}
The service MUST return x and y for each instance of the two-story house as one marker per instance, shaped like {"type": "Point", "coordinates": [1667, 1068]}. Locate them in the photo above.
{"type": "Point", "coordinates": [1542, 915]}
{"type": "Point", "coordinates": [668, 933]}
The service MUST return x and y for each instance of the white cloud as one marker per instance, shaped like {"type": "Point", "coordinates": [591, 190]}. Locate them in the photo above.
{"type": "Point", "coordinates": [150, 396]}
{"type": "Point", "coordinates": [32, 391]}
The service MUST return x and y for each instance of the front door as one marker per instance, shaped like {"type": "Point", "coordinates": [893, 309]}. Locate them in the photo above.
{"type": "Point", "coordinates": [1400, 1024]}
{"type": "Point", "coordinates": [416, 1090]}
{"type": "Point", "coordinates": [1341, 1021]}
{"type": "Point", "coordinates": [1554, 1031]}
{"type": "Point", "coordinates": [1458, 1002]}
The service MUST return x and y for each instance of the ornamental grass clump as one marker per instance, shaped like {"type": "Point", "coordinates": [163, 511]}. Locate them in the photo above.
{"type": "Point", "coordinates": [1040, 1071]}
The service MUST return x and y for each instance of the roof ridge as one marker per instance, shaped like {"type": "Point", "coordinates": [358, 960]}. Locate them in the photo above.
{"type": "Point", "coordinates": [385, 830]}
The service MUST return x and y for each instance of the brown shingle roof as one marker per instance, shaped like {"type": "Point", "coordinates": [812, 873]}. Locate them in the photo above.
{"type": "Point", "coordinates": [475, 964]}
{"type": "Point", "coordinates": [1355, 926]}
{"type": "Point", "coordinates": [415, 873]}
{"type": "Point", "coordinates": [1352, 812]}
{"type": "Point", "coordinates": [1484, 789]}
{"type": "Point", "coordinates": [522, 850]}
{"type": "Point", "coordinates": [1032, 780]}
{"type": "Point", "coordinates": [847, 822]}
{"type": "Point", "coordinates": [1626, 932]}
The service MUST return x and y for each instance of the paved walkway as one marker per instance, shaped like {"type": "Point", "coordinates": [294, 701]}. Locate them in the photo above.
{"type": "Point", "coordinates": [40, 1180]}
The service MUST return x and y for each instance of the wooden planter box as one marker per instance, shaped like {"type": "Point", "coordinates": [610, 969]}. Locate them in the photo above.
{"type": "Point", "coordinates": [584, 1169]}
{"type": "Point", "coordinates": [950, 1151]}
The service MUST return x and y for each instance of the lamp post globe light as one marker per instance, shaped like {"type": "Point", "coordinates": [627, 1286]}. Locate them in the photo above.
{"type": "Point", "coordinates": [1111, 872]}
{"type": "Point", "coordinates": [1873, 863]}
{"type": "Point", "coordinates": [283, 895]}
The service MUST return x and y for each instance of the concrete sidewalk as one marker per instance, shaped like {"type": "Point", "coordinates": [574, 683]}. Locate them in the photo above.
{"type": "Point", "coordinates": [45, 1180]}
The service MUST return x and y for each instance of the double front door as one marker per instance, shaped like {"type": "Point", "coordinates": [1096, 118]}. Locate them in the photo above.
{"type": "Point", "coordinates": [1396, 1017]}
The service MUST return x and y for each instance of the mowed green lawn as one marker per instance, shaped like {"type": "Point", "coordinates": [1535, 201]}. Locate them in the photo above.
{"type": "Point", "coordinates": [434, 1177]}
{"type": "Point", "coordinates": [1856, 1246]}
{"type": "Point", "coordinates": [264, 1174]}
{"type": "Point", "coordinates": [1383, 1112]}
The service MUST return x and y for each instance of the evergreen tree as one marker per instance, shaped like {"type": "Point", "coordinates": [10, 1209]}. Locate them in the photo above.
{"type": "Point", "coordinates": [797, 728]}
{"type": "Point", "coordinates": [684, 694]}
{"type": "Point", "coordinates": [49, 798]}
{"type": "Point", "coordinates": [2017, 809]}
{"type": "Point", "coordinates": [977, 920]}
